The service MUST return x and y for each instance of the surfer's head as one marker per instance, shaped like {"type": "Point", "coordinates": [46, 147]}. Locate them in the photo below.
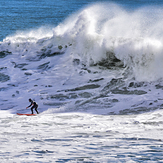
{"type": "Point", "coordinates": [30, 100]}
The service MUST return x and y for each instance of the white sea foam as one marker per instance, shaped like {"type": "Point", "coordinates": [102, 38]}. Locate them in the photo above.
{"type": "Point", "coordinates": [74, 137]}
{"type": "Point", "coordinates": [92, 109]}
{"type": "Point", "coordinates": [45, 62]}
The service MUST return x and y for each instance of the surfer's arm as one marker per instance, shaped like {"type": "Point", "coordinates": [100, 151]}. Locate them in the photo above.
{"type": "Point", "coordinates": [29, 105]}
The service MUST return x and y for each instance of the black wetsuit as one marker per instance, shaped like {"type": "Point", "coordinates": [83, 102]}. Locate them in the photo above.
{"type": "Point", "coordinates": [35, 105]}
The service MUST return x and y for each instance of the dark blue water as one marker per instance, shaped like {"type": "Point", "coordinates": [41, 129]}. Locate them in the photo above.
{"type": "Point", "coordinates": [16, 15]}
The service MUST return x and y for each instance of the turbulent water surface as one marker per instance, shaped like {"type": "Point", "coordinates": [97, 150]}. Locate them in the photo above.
{"type": "Point", "coordinates": [95, 70]}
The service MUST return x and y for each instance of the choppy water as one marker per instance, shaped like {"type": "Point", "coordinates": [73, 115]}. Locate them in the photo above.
{"type": "Point", "coordinates": [80, 137]}
{"type": "Point", "coordinates": [94, 68]}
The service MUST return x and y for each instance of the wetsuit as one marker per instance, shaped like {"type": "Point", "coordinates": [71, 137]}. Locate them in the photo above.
{"type": "Point", "coordinates": [35, 105]}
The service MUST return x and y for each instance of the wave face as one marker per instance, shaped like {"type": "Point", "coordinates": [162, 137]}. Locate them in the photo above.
{"type": "Point", "coordinates": [103, 59]}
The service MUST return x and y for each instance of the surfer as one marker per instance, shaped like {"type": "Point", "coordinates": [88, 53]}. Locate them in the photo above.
{"type": "Point", "coordinates": [34, 105]}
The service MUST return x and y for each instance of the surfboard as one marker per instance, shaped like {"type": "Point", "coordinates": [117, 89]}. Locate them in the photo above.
{"type": "Point", "coordinates": [25, 114]}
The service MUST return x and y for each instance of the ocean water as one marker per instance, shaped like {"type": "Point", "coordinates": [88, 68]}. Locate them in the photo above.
{"type": "Point", "coordinates": [95, 70]}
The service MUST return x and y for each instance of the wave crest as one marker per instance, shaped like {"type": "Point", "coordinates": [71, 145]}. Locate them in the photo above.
{"type": "Point", "coordinates": [103, 32]}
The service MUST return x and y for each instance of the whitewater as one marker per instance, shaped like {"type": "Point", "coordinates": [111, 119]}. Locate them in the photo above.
{"type": "Point", "coordinates": [97, 78]}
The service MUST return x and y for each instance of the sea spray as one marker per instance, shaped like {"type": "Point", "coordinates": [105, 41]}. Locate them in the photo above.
{"type": "Point", "coordinates": [92, 106]}
{"type": "Point", "coordinates": [100, 53]}
{"type": "Point", "coordinates": [133, 37]}
{"type": "Point", "coordinates": [98, 33]}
